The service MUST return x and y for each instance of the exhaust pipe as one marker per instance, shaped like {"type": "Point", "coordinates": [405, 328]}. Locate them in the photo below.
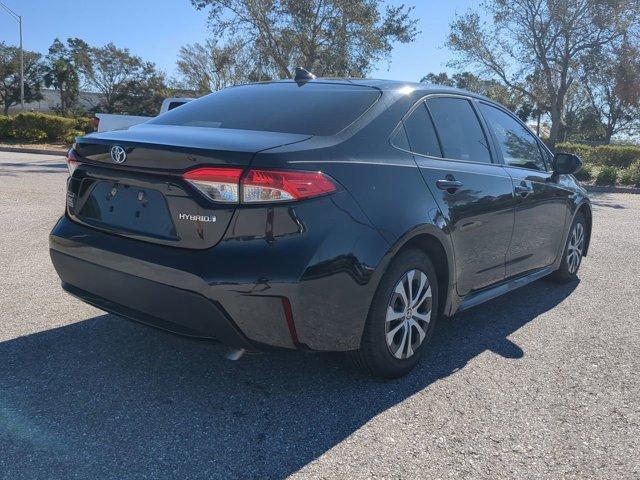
{"type": "Point", "coordinates": [235, 354]}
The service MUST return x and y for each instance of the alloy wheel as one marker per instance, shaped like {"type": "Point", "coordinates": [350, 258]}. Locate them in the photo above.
{"type": "Point", "coordinates": [575, 248]}
{"type": "Point", "coordinates": [408, 314]}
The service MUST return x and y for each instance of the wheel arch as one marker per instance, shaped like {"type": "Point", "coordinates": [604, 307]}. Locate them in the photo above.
{"type": "Point", "coordinates": [436, 244]}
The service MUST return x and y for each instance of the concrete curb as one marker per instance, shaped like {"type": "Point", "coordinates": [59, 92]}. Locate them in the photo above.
{"type": "Point", "coordinates": [611, 189]}
{"type": "Point", "coordinates": [41, 151]}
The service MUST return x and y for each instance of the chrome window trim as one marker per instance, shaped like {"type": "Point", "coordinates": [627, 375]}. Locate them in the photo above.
{"type": "Point", "coordinates": [492, 154]}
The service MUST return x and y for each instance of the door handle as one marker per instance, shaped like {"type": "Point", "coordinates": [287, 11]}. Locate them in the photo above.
{"type": "Point", "coordinates": [449, 185]}
{"type": "Point", "coordinates": [523, 190]}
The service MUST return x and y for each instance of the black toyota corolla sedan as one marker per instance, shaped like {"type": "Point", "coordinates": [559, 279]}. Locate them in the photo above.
{"type": "Point", "coordinates": [319, 214]}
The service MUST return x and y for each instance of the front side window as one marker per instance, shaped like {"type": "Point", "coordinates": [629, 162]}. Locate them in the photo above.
{"type": "Point", "coordinates": [548, 158]}
{"type": "Point", "coordinates": [518, 145]}
{"type": "Point", "coordinates": [459, 129]}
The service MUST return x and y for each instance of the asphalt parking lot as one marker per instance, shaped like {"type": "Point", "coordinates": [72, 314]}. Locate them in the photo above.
{"type": "Point", "coordinates": [541, 383]}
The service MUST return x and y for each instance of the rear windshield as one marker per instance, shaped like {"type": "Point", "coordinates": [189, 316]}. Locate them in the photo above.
{"type": "Point", "coordinates": [311, 109]}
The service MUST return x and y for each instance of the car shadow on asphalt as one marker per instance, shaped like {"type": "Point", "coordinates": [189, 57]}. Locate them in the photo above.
{"type": "Point", "coordinates": [615, 206]}
{"type": "Point", "coordinates": [107, 398]}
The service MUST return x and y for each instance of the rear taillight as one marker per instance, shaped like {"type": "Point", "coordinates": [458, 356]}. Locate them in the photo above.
{"type": "Point", "coordinates": [227, 184]}
{"type": "Point", "coordinates": [282, 185]}
{"type": "Point", "coordinates": [72, 161]}
{"type": "Point", "coordinates": [218, 184]}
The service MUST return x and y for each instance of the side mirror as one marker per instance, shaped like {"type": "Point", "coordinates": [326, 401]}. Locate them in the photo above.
{"type": "Point", "coordinates": [566, 163]}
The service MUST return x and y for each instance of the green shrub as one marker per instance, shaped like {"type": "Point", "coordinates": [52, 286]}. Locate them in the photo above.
{"type": "Point", "coordinates": [54, 127]}
{"type": "Point", "coordinates": [583, 151]}
{"type": "Point", "coordinates": [625, 177]}
{"type": "Point", "coordinates": [41, 127]}
{"type": "Point", "coordinates": [631, 175]}
{"type": "Point", "coordinates": [71, 136]}
{"type": "Point", "coordinates": [6, 127]}
{"type": "Point", "coordinates": [616, 155]}
{"type": "Point", "coordinates": [607, 176]}
{"type": "Point", "coordinates": [585, 173]}
{"type": "Point", "coordinates": [620, 156]}
{"type": "Point", "coordinates": [84, 125]}
{"type": "Point", "coordinates": [33, 135]}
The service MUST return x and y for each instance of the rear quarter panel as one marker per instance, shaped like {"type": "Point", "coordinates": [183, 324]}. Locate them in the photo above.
{"type": "Point", "coordinates": [391, 205]}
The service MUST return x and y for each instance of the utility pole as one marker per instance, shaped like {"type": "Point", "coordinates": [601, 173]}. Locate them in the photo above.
{"type": "Point", "coordinates": [18, 18]}
{"type": "Point", "coordinates": [21, 66]}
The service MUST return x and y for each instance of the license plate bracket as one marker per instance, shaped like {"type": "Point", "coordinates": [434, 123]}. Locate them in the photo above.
{"type": "Point", "coordinates": [121, 207]}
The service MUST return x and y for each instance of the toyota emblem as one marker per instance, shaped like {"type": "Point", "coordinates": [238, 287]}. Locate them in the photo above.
{"type": "Point", "coordinates": [118, 155]}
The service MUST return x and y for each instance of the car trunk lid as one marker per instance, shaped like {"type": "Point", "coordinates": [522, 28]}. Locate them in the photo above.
{"type": "Point", "coordinates": [178, 148]}
{"type": "Point", "coordinates": [145, 196]}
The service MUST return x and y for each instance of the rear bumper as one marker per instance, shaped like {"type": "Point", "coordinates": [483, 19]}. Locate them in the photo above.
{"type": "Point", "coordinates": [262, 285]}
{"type": "Point", "coordinates": [169, 308]}
{"type": "Point", "coordinates": [168, 288]}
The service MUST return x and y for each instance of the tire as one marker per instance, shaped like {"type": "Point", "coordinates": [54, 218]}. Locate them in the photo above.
{"type": "Point", "coordinates": [572, 254]}
{"type": "Point", "coordinates": [385, 358]}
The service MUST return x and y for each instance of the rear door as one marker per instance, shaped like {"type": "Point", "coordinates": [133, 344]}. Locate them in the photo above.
{"type": "Point", "coordinates": [542, 204]}
{"type": "Point", "coordinates": [474, 192]}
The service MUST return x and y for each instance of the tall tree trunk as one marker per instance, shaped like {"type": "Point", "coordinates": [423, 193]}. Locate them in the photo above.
{"type": "Point", "coordinates": [557, 109]}
{"type": "Point", "coordinates": [611, 125]}
{"type": "Point", "coordinates": [556, 124]}
{"type": "Point", "coordinates": [63, 103]}
{"type": "Point", "coordinates": [608, 133]}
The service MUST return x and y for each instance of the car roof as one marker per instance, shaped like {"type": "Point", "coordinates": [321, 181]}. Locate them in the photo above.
{"type": "Point", "coordinates": [391, 85]}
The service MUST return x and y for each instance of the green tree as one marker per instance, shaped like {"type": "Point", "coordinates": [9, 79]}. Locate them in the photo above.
{"type": "Point", "coordinates": [10, 76]}
{"type": "Point", "coordinates": [512, 99]}
{"type": "Point", "coordinates": [612, 81]}
{"type": "Point", "coordinates": [441, 78]}
{"type": "Point", "coordinates": [581, 122]}
{"type": "Point", "coordinates": [126, 83]}
{"type": "Point", "coordinates": [144, 94]}
{"type": "Point", "coordinates": [328, 37]}
{"type": "Point", "coordinates": [62, 74]}
{"type": "Point", "coordinates": [209, 67]}
{"type": "Point", "coordinates": [545, 39]}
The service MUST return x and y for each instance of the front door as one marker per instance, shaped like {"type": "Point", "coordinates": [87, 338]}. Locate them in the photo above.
{"type": "Point", "coordinates": [541, 204]}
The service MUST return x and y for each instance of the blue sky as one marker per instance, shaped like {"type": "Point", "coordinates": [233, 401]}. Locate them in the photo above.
{"type": "Point", "coordinates": [156, 29]}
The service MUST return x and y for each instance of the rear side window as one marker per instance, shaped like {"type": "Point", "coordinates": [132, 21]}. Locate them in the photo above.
{"type": "Point", "coordinates": [459, 129]}
{"type": "Point", "coordinates": [173, 105]}
{"type": "Point", "coordinates": [311, 109]}
{"type": "Point", "coordinates": [422, 135]}
{"type": "Point", "coordinates": [518, 145]}
{"type": "Point", "coordinates": [400, 139]}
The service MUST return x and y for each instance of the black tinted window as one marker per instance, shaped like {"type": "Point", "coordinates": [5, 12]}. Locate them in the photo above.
{"type": "Point", "coordinates": [548, 158]}
{"type": "Point", "coordinates": [173, 105]}
{"type": "Point", "coordinates": [400, 139]}
{"type": "Point", "coordinates": [518, 145]}
{"type": "Point", "coordinates": [422, 136]}
{"type": "Point", "coordinates": [313, 108]}
{"type": "Point", "coordinates": [459, 130]}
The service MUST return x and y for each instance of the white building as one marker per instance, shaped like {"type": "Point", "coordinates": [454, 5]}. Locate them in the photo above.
{"type": "Point", "coordinates": [51, 99]}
